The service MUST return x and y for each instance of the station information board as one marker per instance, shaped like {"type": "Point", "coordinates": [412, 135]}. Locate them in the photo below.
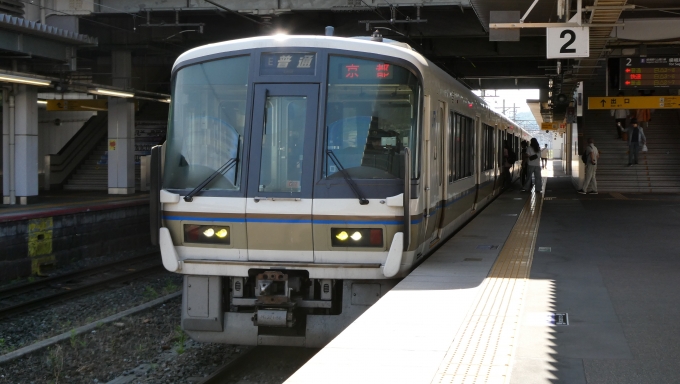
{"type": "Point", "coordinates": [650, 72]}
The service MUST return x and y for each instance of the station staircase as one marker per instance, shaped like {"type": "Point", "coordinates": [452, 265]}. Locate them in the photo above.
{"type": "Point", "coordinates": [92, 174]}
{"type": "Point", "coordinates": [658, 169]}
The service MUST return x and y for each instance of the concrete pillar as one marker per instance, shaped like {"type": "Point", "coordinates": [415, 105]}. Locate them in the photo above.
{"type": "Point", "coordinates": [20, 164]}
{"type": "Point", "coordinates": [121, 143]}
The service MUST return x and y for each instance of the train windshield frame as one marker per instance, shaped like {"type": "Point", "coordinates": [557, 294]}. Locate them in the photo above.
{"type": "Point", "coordinates": [213, 107]}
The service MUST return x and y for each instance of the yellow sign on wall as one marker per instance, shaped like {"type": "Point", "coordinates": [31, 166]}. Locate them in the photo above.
{"type": "Point", "coordinates": [552, 126]}
{"type": "Point", "coordinates": [78, 105]}
{"type": "Point", "coordinates": [634, 102]}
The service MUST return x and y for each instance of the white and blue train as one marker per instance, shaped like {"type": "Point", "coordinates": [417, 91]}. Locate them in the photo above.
{"type": "Point", "coordinates": [302, 176]}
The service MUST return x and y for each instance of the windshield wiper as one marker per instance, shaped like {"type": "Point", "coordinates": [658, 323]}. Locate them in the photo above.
{"type": "Point", "coordinates": [226, 167]}
{"type": "Point", "coordinates": [347, 177]}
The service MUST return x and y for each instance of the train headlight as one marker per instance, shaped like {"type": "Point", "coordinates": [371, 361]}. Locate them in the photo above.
{"type": "Point", "coordinates": [360, 237]}
{"type": "Point", "coordinates": [206, 234]}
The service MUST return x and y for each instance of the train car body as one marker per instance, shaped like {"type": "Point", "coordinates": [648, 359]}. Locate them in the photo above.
{"type": "Point", "coordinates": [302, 176]}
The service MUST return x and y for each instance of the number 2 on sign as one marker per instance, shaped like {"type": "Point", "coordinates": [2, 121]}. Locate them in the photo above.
{"type": "Point", "coordinates": [572, 37]}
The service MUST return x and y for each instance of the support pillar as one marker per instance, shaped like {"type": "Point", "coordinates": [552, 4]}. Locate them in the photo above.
{"type": "Point", "coordinates": [20, 145]}
{"type": "Point", "coordinates": [121, 143]}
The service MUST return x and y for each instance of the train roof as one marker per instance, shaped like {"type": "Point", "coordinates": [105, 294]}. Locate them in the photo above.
{"type": "Point", "coordinates": [387, 47]}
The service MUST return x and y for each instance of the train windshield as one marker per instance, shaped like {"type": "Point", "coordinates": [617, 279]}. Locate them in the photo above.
{"type": "Point", "coordinates": [371, 115]}
{"type": "Point", "coordinates": [207, 126]}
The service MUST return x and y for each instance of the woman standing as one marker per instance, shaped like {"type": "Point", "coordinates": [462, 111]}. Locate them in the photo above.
{"type": "Point", "coordinates": [534, 153]}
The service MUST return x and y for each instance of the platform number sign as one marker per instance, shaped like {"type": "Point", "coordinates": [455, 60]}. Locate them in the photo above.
{"type": "Point", "coordinates": [563, 42]}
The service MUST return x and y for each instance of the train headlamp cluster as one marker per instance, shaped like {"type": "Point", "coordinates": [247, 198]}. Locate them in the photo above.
{"type": "Point", "coordinates": [356, 237]}
{"type": "Point", "coordinates": [206, 234]}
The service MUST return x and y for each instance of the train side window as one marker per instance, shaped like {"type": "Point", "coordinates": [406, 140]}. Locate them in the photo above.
{"type": "Point", "coordinates": [463, 144]}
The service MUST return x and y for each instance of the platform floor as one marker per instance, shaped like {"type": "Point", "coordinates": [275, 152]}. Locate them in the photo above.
{"type": "Point", "coordinates": [53, 203]}
{"type": "Point", "coordinates": [474, 314]}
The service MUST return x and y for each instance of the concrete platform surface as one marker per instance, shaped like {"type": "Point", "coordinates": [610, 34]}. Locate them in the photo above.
{"type": "Point", "coordinates": [610, 262]}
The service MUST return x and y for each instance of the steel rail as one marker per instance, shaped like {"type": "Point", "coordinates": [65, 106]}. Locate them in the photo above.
{"type": "Point", "coordinates": [15, 290]}
{"type": "Point", "coordinates": [221, 374]}
{"type": "Point", "coordinates": [76, 292]}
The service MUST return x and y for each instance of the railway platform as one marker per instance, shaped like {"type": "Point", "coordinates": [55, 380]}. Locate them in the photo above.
{"type": "Point", "coordinates": [64, 227]}
{"type": "Point", "coordinates": [565, 288]}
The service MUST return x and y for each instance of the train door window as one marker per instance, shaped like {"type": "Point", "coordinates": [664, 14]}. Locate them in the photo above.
{"type": "Point", "coordinates": [371, 115]}
{"type": "Point", "coordinates": [452, 158]}
{"type": "Point", "coordinates": [283, 144]}
{"type": "Point", "coordinates": [206, 127]}
{"type": "Point", "coordinates": [487, 147]}
{"type": "Point", "coordinates": [470, 147]}
{"type": "Point", "coordinates": [440, 142]}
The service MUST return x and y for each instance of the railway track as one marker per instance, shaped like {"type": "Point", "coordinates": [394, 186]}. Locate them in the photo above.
{"type": "Point", "coordinates": [269, 361]}
{"type": "Point", "coordinates": [29, 296]}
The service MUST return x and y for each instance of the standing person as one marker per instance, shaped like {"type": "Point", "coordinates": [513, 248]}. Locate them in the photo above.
{"type": "Point", "coordinates": [636, 139]}
{"type": "Point", "coordinates": [643, 116]}
{"type": "Point", "coordinates": [534, 152]}
{"type": "Point", "coordinates": [544, 156]}
{"type": "Point", "coordinates": [508, 156]}
{"type": "Point", "coordinates": [525, 161]}
{"type": "Point", "coordinates": [592, 154]}
{"type": "Point", "coordinates": [620, 116]}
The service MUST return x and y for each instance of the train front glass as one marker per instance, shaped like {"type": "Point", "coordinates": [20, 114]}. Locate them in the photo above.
{"type": "Point", "coordinates": [207, 124]}
{"type": "Point", "coordinates": [371, 116]}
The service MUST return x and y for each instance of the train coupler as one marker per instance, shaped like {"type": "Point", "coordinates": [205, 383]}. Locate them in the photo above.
{"type": "Point", "coordinates": [273, 300]}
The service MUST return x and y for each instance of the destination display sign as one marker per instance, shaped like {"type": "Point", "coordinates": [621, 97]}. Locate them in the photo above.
{"type": "Point", "coordinates": [288, 63]}
{"type": "Point", "coordinates": [650, 72]}
{"type": "Point", "coordinates": [634, 102]}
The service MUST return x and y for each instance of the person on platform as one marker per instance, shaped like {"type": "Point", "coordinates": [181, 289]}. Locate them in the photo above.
{"type": "Point", "coordinates": [544, 156]}
{"type": "Point", "coordinates": [534, 152]}
{"type": "Point", "coordinates": [592, 154]}
{"type": "Point", "coordinates": [507, 164]}
{"type": "Point", "coordinates": [525, 161]}
{"type": "Point", "coordinates": [620, 116]}
{"type": "Point", "coordinates": [636, 139]}
{"type": "Point", "coordinates": [643, 116]}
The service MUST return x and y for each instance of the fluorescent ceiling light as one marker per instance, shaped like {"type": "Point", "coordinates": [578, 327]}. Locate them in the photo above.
{"type": "Point", "coordinates": [24, 80]}
{"type": "Point", "coordinates": [109, 92]}
{"type": "Point", "coordinates": [42, 102]}
{"type": "Point", "coordinates": [168, 100]}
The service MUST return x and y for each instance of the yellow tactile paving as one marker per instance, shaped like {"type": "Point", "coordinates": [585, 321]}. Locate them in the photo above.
{"type": "Point", "coordinates": [483, 348]}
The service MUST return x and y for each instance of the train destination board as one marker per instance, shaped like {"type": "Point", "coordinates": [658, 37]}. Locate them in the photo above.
{"type": "Point", "coordinates": [634, 102]}
{"type": "Point", "coordinates": [650, 72]}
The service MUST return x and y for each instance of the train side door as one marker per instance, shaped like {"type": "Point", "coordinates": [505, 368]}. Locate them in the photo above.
{"type": "Point", "coordinates": [279, 199]}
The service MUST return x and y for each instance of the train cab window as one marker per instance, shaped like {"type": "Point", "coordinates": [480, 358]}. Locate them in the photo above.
{"type": "Point", "coordinates": [206, 127]}
{"type": "Point", "coordinates": [371, 115]}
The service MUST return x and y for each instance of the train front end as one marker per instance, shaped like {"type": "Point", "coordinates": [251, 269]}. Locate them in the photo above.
{"type": "Point", "coordinates": [282, 185]}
